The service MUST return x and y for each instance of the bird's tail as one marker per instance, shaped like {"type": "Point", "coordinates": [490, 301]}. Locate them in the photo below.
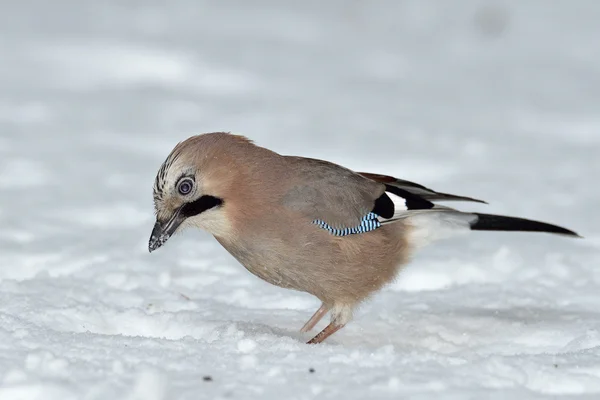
{"type": "Point", "coordinates": [439, 224]}
{"type": "Point", "coordinates": [489, 222]}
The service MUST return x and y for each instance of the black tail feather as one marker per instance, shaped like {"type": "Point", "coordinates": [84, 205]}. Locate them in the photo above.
{"type": "Point", "coordinates": [488, 222]}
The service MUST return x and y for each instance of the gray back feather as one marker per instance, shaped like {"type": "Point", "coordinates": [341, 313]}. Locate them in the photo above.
{"type": "Point", "coordinates": [329, 192]}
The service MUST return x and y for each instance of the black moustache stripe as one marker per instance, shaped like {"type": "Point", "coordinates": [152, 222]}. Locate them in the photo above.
{"type": "Point", "coordinates": [199, 206]}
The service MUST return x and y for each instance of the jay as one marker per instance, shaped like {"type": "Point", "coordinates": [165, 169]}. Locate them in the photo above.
{"type": "Point", "coordinates": [308, 224]}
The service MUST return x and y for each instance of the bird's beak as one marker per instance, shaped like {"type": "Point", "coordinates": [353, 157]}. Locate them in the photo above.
{"type": "Point", "coordinates": [163, 230]}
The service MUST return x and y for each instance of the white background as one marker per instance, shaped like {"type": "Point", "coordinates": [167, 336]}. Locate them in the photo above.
{"type": "Point", "coordinates": [496, 100]}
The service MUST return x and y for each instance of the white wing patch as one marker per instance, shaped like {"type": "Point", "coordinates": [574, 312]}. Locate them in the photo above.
{"type": "Point", "coordinates": [400, 208]}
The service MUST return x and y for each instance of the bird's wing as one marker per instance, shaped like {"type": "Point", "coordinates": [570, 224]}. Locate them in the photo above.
{"type": "Point", "coordinates": [416, 189]}
{"type": "Point", "coordinates": [324, 191]}
{"type": "Point", "coordinates": [340, 199]}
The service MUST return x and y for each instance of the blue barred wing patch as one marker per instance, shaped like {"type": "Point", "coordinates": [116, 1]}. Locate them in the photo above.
{"type": "Point", "coordinates": [368, 223]}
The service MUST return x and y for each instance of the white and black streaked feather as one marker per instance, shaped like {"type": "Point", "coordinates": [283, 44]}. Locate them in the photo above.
{"type": "Point", "coordinates": [161, 176]}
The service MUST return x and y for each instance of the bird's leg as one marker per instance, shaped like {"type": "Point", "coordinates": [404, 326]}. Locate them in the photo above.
{"type": "Point", "coordinates": [325, 333]}
{"type": "Point", "coordinates": [317, 316]}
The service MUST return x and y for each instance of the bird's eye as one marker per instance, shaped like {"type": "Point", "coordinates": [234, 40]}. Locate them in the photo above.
{"type": "Point", "coordinates": [185, 186]}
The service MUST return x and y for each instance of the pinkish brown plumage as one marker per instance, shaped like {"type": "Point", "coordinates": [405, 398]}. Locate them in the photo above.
{"type": "Point", "coordinates": [306, 224]}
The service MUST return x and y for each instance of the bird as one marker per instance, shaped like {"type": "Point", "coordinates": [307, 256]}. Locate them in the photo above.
{"type": "Point", "coordinates": [308, 224]}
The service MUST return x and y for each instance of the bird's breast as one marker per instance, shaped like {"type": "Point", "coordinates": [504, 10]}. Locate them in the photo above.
{"type": "Point", "coordinates": [262, 259]}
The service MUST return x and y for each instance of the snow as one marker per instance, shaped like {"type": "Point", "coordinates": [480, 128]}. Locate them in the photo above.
{"type": "Point", "coordinates": [494, 100]}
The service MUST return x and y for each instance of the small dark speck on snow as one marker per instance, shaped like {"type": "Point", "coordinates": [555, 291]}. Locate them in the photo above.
{"type": "Point", "coordinates": [207, 378]}
{"type": "Point", "coordinates": [311, 370]}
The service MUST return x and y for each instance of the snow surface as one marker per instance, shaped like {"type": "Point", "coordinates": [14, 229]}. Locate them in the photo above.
{"type": "Point", "coordinates": [492, 99]}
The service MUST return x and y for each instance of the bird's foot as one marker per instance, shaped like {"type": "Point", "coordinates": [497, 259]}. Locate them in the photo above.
{"type": "Point", "coordinates": [325, 333]}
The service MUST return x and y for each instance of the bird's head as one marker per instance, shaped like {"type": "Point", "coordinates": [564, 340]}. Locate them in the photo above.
{"type": "Point", "coordinates": [191, 187]}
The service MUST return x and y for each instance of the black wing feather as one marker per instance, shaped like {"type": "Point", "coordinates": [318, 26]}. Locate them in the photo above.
{"type": "Point", "coordinates": [417, 189]}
